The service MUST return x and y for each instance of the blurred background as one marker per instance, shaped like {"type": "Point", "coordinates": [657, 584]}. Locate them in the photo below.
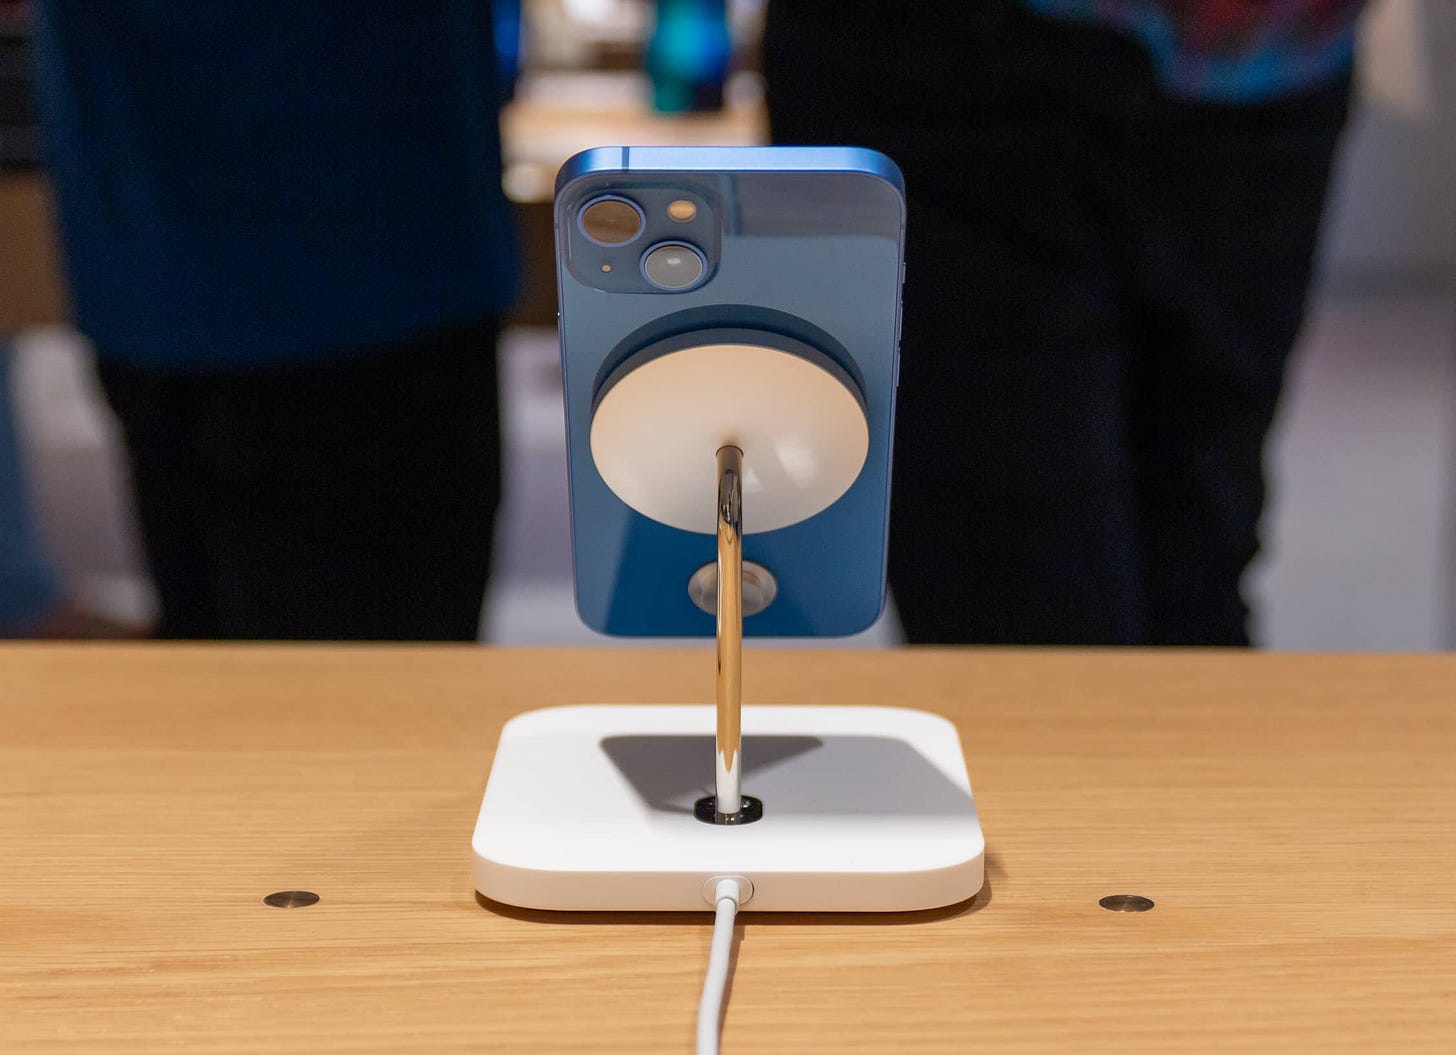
{"type": "Point", "coordinates": [1361, 530]}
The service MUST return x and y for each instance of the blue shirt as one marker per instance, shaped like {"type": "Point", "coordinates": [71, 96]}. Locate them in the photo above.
{"type": "Point", "coordinates": [273, 181]}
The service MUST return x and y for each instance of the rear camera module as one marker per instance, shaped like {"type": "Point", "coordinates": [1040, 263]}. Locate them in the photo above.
{"type": "Point", "coordinates": [673, 266]}
{"type": "Point", "coordinates": [611, 221]}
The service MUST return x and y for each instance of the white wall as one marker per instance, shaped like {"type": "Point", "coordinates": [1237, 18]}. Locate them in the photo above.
{"type": "Point", "coordinates": [1393, 214]}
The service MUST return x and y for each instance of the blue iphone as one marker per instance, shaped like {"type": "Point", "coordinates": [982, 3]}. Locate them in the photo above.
{"type": "Point", "coordinates": [791, 248]}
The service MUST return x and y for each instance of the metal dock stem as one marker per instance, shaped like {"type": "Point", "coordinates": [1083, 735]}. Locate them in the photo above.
{"type": "Point", "coordinates": [729, 784]}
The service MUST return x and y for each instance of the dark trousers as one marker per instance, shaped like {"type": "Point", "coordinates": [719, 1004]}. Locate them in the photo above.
{"type": "Point", "coordinates": [348, 499]}
{"type": "Point", "coordinates": [1103, 286]}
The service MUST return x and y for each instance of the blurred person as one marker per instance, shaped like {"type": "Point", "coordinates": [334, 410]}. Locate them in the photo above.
{"type": "Point", "coordinates": [1114, 207]}
{"type": "Point", "coordinates": [30, 590]}
{"type": "Point", "coordinates": [285, 235]}
{"type": "Point", "coordinates": [33, 599]}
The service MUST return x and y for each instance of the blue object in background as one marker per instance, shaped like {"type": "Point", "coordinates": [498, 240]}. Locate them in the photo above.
{"type": "Point", "coordinates": [29, 587]}
{"type": "Point", "coordinates": [688, 55]}
{"type": "Point", "coordinates": [510, 44]}
{"type": "Point", "coordinates": [809, 248]}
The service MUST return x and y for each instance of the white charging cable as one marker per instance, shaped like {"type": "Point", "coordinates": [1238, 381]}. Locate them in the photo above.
{"type": "Point", "coordinates": [728, 894]}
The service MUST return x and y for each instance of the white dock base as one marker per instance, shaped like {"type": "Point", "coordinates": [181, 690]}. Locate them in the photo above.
{"type": "Point", "coordinates": [865, 809]}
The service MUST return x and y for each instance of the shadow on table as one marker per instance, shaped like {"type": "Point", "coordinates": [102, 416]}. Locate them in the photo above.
{"type": "Point", "coordinates": [756, 919]}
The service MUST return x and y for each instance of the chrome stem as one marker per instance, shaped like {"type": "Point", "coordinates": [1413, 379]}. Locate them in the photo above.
{"type": "Point", "coordinates": [729, 784]}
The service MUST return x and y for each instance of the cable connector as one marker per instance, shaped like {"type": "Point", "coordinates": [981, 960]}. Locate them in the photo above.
{"type": "Point", "coordinates": [741, 891]}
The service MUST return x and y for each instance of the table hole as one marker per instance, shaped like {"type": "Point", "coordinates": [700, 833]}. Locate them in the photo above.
{"type": "Point", "coordinates": [291, 899]}
{"type": "Point", "coordinates": [1126, 903]}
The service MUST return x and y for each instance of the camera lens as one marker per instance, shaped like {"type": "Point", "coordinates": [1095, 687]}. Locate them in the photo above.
{"type": "Point", "coordinates": [673, 266]}
{"type": "Point", "coordinates": [611, 221]}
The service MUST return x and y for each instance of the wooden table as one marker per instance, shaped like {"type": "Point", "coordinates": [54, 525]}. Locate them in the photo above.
{"type": "Point", "coordinates": [1291, 816]}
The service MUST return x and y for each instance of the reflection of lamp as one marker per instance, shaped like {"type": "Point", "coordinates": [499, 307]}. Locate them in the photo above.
{"type": "Point", "coordinates": [638, 807]}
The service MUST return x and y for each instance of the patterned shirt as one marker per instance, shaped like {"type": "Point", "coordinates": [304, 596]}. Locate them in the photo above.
{"type": "Point", "coordinates": [1230, 50]}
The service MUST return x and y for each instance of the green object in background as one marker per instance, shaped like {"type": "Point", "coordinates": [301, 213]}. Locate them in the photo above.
{"type": "Point", "coordinates": [688, 55]}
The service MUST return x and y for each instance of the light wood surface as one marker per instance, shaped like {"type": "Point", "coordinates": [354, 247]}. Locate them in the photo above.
{"type": "Point", "coordinates": [32, 292]}
{"type": "Point", "coordinates": [1291, 816]}
{"type": "Point", "coordinates": [555, 115]}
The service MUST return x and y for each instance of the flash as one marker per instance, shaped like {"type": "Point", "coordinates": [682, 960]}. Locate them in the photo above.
{"type": "Point", "coordinates": [681, 210]}
{"type": "Point", "coordinates": [606, 267]}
